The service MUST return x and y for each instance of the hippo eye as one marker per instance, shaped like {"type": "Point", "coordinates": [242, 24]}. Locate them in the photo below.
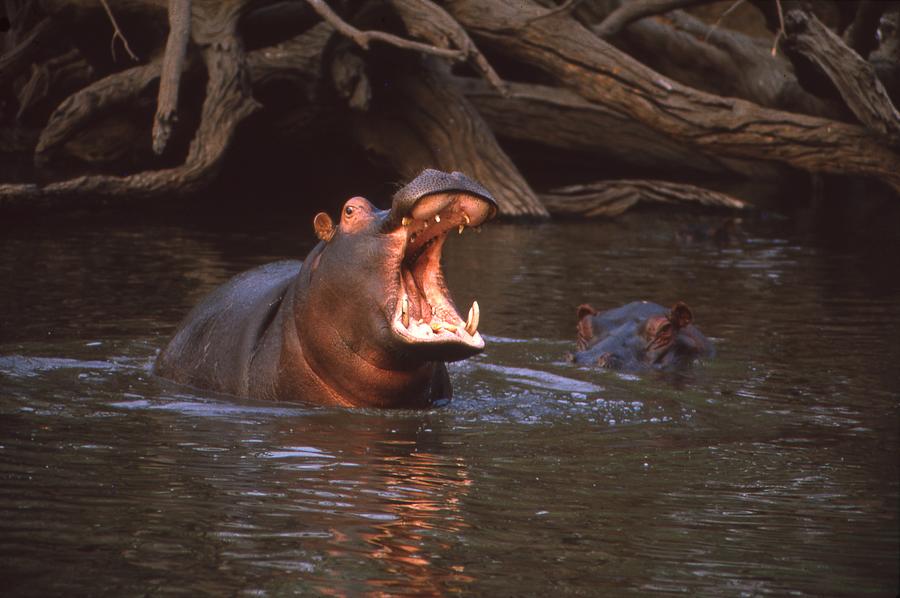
{"type": "Point", "coordinates": [348, 210]}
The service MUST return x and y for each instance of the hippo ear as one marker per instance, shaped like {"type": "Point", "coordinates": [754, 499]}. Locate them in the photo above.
{"type": "Point", "coordinates": [585, 310]}
{"type": "Point", "coordinates": [681, 315]}
{"type": "Point", "coordinates": [324, 226]}
{"type": "Point", "coordinates": [585, 326]}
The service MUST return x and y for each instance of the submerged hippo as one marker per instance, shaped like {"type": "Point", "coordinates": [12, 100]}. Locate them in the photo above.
{"type": "Point", "coordinates": [366, 320]}
{"type": "Point", "coordinates": [640, 334]}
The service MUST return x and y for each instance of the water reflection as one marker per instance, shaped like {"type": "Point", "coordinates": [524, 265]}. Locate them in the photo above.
{"type": "Point", "coordinates": [387, 500]}
{"type": "Point", "coordinates": [771, 469]}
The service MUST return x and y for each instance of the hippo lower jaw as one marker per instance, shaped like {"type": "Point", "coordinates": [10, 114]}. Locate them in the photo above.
{"type": "Point", "coordinates": [424, 314]}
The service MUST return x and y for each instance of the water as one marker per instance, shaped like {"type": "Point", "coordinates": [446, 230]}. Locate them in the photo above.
{"type": "Point", "coordinates": [772, 470]}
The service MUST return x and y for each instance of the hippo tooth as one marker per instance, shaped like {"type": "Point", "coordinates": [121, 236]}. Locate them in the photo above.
{"type": "Point", "coordinates": [461, 228]}
{"type": "Point", "coordinates": [437, 217]}
{"type": "Point", "coordinates": [436, 326]}
{"type": "Point", "coordinates": [466, 216]}
{"type": "Point", "coordinates": [404, 311]}
{"type": "Point", "coordinates": [406, 220]}
{"type": "Point", "coordinates": [472, 320]}
{"type": "Point", "coordinates": [449, 327]}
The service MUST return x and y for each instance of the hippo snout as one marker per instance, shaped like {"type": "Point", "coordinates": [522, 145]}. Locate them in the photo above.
{"type": "Point", "coordinates": [407, 201]}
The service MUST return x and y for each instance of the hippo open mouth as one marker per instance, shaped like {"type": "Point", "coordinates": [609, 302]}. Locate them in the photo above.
{"type": "Point", "coordinates": [424, 312]}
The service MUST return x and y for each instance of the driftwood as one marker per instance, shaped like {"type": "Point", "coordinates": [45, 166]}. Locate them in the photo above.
{"type": "Point", "coordinates": [720, 61]}
{"type": "Point", "coordinates": [469, 85]}
{"type": "Point", "coordinates": [429, 122]}
{"type": "Point", "coordinates": [853, 77]}
{"type": "Point", "coordinates": [611, 198]}
{"type": "Point", "coordinates": [600, 73]}
{"type": "Point", "coordinates": [559, 118]}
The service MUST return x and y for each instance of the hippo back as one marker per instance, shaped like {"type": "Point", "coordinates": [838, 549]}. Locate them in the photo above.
{"type": "Point", "coordinates": [213, 346]}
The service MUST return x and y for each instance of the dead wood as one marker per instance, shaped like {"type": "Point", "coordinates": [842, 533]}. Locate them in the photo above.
{"type": "Point", "coordinates": [117, 34]}
{"type": "Point", "coordinates": [611, 198]}
{"type": "Point", "coordinates": [425, 19]}
{"type": "Point", "coordinates": [720, 61]}
{"type": "Point", "coordinates": [853, 77]}
{"type": "Point", "coordinates": [429, 122]}
{"type": "Point", "coordinates": [172, 66]}
{"type": "Point", "coordinates": [227, 103]}
{"type": "Point", "coordinates": [559, 118]}
{"type": "Point", "coordinates": [600, 73]}
{"type": "Point", "coordinates": [57, 77]}
{"type": "Point", "coordinates": [364, 38]}
{"type": "Point", "coordinates": [88, 104]}
{"type": "Point", "coordinates": [378, 74]}
{"type": "Point", "coordinates": [629, 12]}
{"type": "Point", "coordinates": [34, 47]}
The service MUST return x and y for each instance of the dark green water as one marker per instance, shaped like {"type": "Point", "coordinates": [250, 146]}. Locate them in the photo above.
{"type": "Point", "coordinates": [772, 470]}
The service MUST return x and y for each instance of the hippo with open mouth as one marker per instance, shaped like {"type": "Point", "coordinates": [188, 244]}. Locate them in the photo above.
{"type": "Point", "coordinates": [365, 320]}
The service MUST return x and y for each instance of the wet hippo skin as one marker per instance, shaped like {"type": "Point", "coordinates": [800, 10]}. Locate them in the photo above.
{"type": "Point", "coordinates": [639, 335]}
{"type": "Point", "coordinates": [365, 320]}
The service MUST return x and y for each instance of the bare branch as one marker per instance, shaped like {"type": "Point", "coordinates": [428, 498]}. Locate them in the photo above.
{"type": "Point", "coordinates": [425, 19]}
{"type": "Point", "coordinates": [117, 33]}
{"type": "Point", "coordinates": [364, 38]}
{"type": "Point", "coordinates": [721, 18]}
{"type": "Point", "coordinates": [227, 104]}
{"type": "Point", "coordinates": [780, 31]}
{"type": "Point", "coordinates": [31, 49]}
{"type": "Point", "coordinates": [173, 65]}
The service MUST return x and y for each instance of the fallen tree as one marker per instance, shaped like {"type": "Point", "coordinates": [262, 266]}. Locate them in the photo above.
{"type": "Point", "coordinates": [141, 100]}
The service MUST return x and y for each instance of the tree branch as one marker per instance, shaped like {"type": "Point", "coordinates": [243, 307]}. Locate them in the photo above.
{"type": "Point", "coordinates": [172, 66]}
{"type": "Point", "coordinates": [228, 102]}
{"type": "Point", "coordinates": [600, 73]}
{"type": "Point", "coordinates": [853, 77]}
{"type": "Point", "coordinates": [85, 105]}
{"type": "Point", "coordinates": [31, 49]}
{"type": "Point", "coordinates": [117, 33]}
{"type": "Point", "coordinates": [425, 19]}
{"type": "Point", "coordinates": [364, 38]}
{"type": "Point", "coordinates": [421, 120]}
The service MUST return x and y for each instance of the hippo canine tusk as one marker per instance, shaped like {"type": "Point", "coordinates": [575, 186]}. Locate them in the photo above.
{"type": "Point", "coordinates": [472, 320]}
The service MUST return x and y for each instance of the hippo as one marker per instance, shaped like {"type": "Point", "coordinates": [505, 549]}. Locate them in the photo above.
{"type": "Point", "coordinates": [639, 335]}
{"type": "Point", "coordinates": [365, 320]}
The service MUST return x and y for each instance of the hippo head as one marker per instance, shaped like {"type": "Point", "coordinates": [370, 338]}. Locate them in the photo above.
{"type": "Point", "coordinates": [373, 294]}
{"type": "Point", "coordinates": [638, 335]}
{"type": "Point", "coordinates": [671, 339]}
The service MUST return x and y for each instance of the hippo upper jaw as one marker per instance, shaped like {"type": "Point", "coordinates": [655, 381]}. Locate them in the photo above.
{"type": "Point", "coordinates": [424, 317]}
